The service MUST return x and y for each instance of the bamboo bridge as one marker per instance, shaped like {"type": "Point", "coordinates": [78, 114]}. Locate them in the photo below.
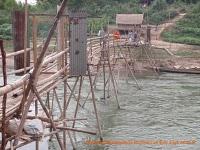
{"type": "Point", "coordinates": [77, 57]}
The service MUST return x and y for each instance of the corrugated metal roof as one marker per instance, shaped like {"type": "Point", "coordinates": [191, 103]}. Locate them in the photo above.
{"type": "Point", "coordinates": [129, 19]}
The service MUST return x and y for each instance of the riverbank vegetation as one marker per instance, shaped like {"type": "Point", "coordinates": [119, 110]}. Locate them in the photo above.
{"type": "Point", "coordinates": [103, 12]}
{"type": "Point", "coordinates": [187, 30]}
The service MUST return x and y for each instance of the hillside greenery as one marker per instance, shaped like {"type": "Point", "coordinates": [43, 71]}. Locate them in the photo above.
{"type": "Point", "coordinates": [101, 12]}
{"type": "Point", "coordinates": [187, 30]}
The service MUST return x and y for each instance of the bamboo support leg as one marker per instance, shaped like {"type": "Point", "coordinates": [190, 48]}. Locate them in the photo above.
{"type": "Point", "coordinates": [50, 110]}
{"type": "Point", "coordinates": [64, 113]}
{"type": "Point", "coordinates": [37, 145]}
{"type": "Point", "coordinates": [95, 79]}
{"type": "Point", "coordinates": [57, 100]}
{"type": "Point", "coordinates": [34, 33]}
{"type": "Point", "coordinates": [126, 73]}
{"type": "Point", "coordinates": [94, 104]}
{"type": "Point", "coordinates": [48, 115]}
{"type": "Point", "coordinates": [73, 89]}
{"type": "Point", "coordinates": [52, 104]}
{"type": "Point", "coordinates": [113, 75]}
{"type": "Point", "coordinates": [47, 103]}
{"type": "Point", "coordinates": [3, 127]}
{"type": "Point", "coordinates": [131, 72]}
{"type": "Point", "coordinates": [70, 138]}
{"type": "Point", "coordinates": [38, 64]}
{"type": "Point", "coordinates": [24, 115]}
{"type": "Point", "coordinates": [113, 83]}
{"type": "Point", "coordinates": [94, 85]}
{"type": "Point", "coordinates": [78, 101]}
{"type": "Point", "coordinates": [73, 94]}
{"type": "Point", "coordinates": [104, 82]}
{"type": "Point", "coordinates": [64, 117]}
{"type": "Point", "coordinates": [108, 96]}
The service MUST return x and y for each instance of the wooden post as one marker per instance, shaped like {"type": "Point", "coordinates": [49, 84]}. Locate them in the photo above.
{"type": "Point", "coordinates": [29, 95]}
{"type": "Point", "coordinates": [148, 34]}
{"type": "Point", "coordinates": [72, 91]}
{"type": "Point", "coordinates": [64, 112]}
{"type": "Point", "coordinates": [65, 94]}
{"type": "Point", "coordinates": [128, 67]}
{"type": "Point", "coordinates": [34, 33]}
{"type": "Point", "coordinates": [60, 40]}
{"type": "Point", "coordinates": [18, 40]}
{"type": "Point", "coordinates": [94, 104]}
{"type": "Point", "coordinates": [48, 115]}
{"type": "Point", "coordinates": [79, 97]}
{"type": "Point", "coordinates": [113, 83]}
{"type": "Point", "coordinates": [104, 81]}
{"type": "Point", "coordinates": [25, 36]}
{"type": "Point", "coordinates": [3, 53]}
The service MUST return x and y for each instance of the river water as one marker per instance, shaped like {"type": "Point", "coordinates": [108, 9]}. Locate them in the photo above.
{"type": "Point", "coordinates": [167, 108]}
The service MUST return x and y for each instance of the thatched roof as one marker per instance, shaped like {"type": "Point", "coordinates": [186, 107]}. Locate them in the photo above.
{"type": "Point", "coordinates": [129, 19]}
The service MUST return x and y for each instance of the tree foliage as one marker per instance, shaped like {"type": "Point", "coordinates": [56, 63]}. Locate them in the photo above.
{"type": "Point", "coordinates": [186, 30]}
{"type": "Point", "coordinates": [157, 11]}
{"type": "Point", "coordinates": [6, 8]}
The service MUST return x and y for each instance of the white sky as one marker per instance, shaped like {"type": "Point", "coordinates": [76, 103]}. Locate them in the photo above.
{"type": "Point", "coordinates": [29, 1]}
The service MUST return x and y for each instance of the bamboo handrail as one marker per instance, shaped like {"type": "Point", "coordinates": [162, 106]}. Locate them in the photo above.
{"type": "Point", "coordinates": [10, 87]}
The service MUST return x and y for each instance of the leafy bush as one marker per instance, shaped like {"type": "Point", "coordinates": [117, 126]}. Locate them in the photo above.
{"type": "Point", "coordinates": [95, 24]}
{"type": "Point", "coordinates": [160, 12]}
{"type": "Point", "coordinates": [159, 5]}
{"type": "Point", "coordinates": [186, 30]}
{"type": "Point", "coordinates": [161, 16]}
{"type": "Point", "coordinates": [5, 31]}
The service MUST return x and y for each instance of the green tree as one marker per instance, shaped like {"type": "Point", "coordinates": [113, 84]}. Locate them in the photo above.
{"type": "Point", "coordinates": [159, 5]}
{"type": "Point", "coordinates": [10, 4]}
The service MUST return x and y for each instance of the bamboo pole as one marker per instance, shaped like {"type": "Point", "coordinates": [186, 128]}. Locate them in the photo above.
{"type": "Point", "coordinates": [35, 73]}
{"type": "Point", "coordinates": [18, 52]}
{"type": "Point", "coordinates": [18, 71]}
{"type": "Point", "coordinates": [73, 94]}
{"type": "Point", "coordinates": [57, 100]}
{"type": "Point", "coordinates": [73, 89]}
{"type": "Point", "coordinates": [10, 87]}
{"type": "Point", "coordinates": [34, 32]}
{"type": "Point", "coordinates": [76, 130]}
{"type": "Point", "coordinates": [25, 36]}
{"type": "Point", "coordinates": [65, 45]}
{"type": "Point", "coordinates": [3, 53]}
{"type": "Point", "coordinates": [93, 84]}
{"type": "Point", "coordinates": [113, 82]}
{"type": "Point", "coordinates": [79, 96]}
{"type": "Point", "coordinates": [64, 113]}
{"type": "Point", "coordinates": [60, 40]}
{"type": "Point", "coordinates": [130, 71]}
{"type": "Point", "coordinates": [94, 104]}
{"type": "Point", "coordinates": [104, 81]}
{"type": "Point", "coordinates": [48, 115]}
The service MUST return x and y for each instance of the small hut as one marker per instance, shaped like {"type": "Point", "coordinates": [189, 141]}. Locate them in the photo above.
{"type": "Point", "coordinates": [129, 22]}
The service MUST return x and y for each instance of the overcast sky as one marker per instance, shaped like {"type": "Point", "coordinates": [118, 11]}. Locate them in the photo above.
{"type": "Point", "coordinates": [29, 1]}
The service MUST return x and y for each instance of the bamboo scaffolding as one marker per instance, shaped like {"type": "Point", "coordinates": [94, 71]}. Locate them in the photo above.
{"type": "Point", "coordinates": [44, 78]}
{"type": "Point", "coordinates": [10, 87]}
